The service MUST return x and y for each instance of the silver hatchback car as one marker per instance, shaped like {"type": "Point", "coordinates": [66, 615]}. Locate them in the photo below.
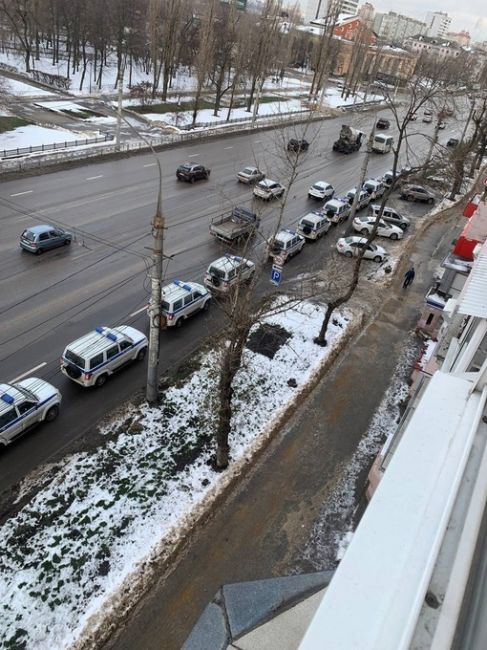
{"type": "Point", "coordinates": [38, 239]}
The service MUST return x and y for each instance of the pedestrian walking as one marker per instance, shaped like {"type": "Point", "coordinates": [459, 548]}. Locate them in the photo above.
{"type": "Point", "coordinates": [408, 277]}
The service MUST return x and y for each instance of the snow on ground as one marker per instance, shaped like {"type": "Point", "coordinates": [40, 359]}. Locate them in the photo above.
{"type": "Point", "coordinates": [332, 532]}
{"type": "Point", "coordinates": [31, 136]}
{"type": "Point", "coordinates": [85, 536]}
{"type": "Point", "coordinates": [206, 115]}
{"type": "Point", "coordinates": [22, 89]}
{"type": "Point", "coordinates": [334, 100]}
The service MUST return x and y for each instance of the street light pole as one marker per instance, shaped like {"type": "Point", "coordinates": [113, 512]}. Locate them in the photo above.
{"type": "Point", "coordinates": [158, 225]}
{"type": "Point", "coordinates": [157, 256]}
{"type": "Point", "coordinates": [119, 108]}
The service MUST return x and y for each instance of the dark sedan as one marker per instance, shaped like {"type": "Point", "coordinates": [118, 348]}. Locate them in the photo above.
{"type": "Point", "coordinates": [190, 172]}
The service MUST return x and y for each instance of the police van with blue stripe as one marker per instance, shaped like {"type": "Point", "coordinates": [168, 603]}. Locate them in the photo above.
{"type": "Point", "coordinates": [179, 300]}
{"type": "Point", "coordinates": [91, 359]}
{"type": "Point", "coordinates": [25, 404]}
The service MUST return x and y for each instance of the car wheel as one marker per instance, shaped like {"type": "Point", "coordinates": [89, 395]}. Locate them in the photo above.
{"type": "Point", "coordinates": [378, 259]}
{"type": "Point", "coordinates": [141, 354]}
{"type": "Point", "coordinates": [206, 305]}
{"type": "Point", "coordinates": [394, 235]}
{"type": "Point", "coordinates": [409, 198]}
{"type": "Point", "coordinates": [348, 254]}
{"type": "Point", "coordinates": [364, 231]}
{"type": "Point", "coordinates": [179, 321]}
{"type": "Point", "coordinates": [191, 180]}
{"type": "Point", "coordinates": [208, 174]}
{"type": "Point", "coordinates": [403, 226]}
{"type": "Point", "coordinates": [431, 200]}
{"type": "Point", "coordinates": [52, 413]}
{"type": "Point", "coordinates": [67, 242]}
{"type": "Point", "coordinates": [101, 381]}
{"type": "Point", "coordinates": [39, 251]}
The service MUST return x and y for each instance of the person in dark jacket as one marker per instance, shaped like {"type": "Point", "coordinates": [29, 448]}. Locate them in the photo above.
{"type": "Point", "coordinates": [408, 277]}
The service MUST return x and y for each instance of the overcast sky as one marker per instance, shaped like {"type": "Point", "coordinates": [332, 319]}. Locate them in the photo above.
{"type": "Point", "coordinates": [470, 15]}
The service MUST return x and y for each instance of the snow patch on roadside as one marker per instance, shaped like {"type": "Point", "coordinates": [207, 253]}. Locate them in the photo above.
{"type": "Point", "coordinates": [94, 529]}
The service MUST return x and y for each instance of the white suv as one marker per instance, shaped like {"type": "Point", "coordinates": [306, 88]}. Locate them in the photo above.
{"type": "Point", "coordinates": [179, 300]}
{"type": "Point", "coordinates": [314, 225]}
{"type": "Point", "coordinates": [227, 271]}
{"type": "Point", "coordinates": [91, 359]}
{"type": "Point", "coordinates": [23, 405]}
{"type": "Point", "coordinates": [285, 244]}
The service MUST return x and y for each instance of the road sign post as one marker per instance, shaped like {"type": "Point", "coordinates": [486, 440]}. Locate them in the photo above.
{"type": "Point", "coordinates": [276, 275]}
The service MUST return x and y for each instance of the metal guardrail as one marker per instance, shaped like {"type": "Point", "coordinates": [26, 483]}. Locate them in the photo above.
{"type": "Point", "coordinates": [22, 151]}
{"type": "Point", "coordinates": [239, 120]}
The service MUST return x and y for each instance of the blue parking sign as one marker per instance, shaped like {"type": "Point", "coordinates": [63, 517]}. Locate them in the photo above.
{"type": "Point", "coordinates": [276, 275]}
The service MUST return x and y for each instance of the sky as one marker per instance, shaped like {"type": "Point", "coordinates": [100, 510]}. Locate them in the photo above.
{"type": "Point", "coordinates": [470, 15]}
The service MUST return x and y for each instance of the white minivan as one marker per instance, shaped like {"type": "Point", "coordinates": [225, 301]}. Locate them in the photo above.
{"type": "Point", "coordinates": [382, 143]}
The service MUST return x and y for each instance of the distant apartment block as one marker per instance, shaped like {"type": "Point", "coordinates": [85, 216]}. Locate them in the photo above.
{"type": "Point", "coordinates": [367, 13]}
{"type": "Point", "coordinates": [437, 23]}
{"type": "Point", "coordinates": [314, 9]}
{"type": "Point", "coordinates": [395, 28]}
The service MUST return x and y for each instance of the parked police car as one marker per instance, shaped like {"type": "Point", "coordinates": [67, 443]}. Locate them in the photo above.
{"type": "Point", "coordinates": [337, 210]}
{"type": "Point", "coordinates": [91, 359]}
{"type": "Point", "coordinates": [285, 244]}
{"type": "Point", "coordinates": [227, 271]}
{"type": "Point", "coordinates": [179, 300]}
{"type": "Point", "coordinates": [24, 404]}
{"type": "Point", "coordinates": [314, 225]}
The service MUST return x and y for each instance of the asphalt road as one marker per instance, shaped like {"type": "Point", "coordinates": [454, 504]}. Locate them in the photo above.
{"type": "Point", "coordinates": [101, 279]}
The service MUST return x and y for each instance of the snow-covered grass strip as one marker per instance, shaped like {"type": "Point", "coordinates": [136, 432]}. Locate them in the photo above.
{"type": "Point", "coordinates": [106, 513]}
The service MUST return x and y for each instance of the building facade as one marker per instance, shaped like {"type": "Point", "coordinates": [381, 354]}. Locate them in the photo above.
{"type": "Point", "coordinates": [437, 23]}
{"type": "Point", "coordinates": [437, 47]}
{"type": "Point", "coordinates": [462, 38]}
{"type": "Point", "coordinates": [394, 28]}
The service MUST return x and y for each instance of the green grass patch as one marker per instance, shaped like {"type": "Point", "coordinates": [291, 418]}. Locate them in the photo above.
{"type": "Point", "coordinates": [10, 123]}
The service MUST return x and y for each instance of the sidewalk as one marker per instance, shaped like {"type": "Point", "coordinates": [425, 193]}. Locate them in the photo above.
{"type": "Point", "coordinates": [261, 530]}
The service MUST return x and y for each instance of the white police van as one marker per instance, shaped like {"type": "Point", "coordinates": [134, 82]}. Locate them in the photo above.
{"type": "Point", "coordinates": [179, 300]}
{"type": "Point", "coordinates": [314, 225]}
{"type": "Point", "coordinates": [23, 405]}
{"type": "Point", "coordinates": [91, 359]}
{"type": "Point", "coordinates": [227, 271]}
{"type": "Point", "coordinates": [285, 244]}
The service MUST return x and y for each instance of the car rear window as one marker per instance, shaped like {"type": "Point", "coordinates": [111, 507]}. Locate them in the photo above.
{"type": "Point", "coordinates": [75, 358]}
{"type": "Point", "coordinates": [309, 224]}
{"type": "Point", "coordinates": [248, 170]}
{"type": "Point", "coordinates": [332, 208]}
{"type": "Point", "coordinates": [318, 186]}
{"type": "Point", "coordinates": [215, 271]}
{"type": "Point", "coordinates": [28, 234]}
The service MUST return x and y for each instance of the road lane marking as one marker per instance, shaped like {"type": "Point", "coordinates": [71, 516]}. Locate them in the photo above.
{"type": "Point", "coordinates": [228, 147]}
{"type": "Point", "coordinates": [257, 141]}
{"type": "Point", "coordinates": [24, 374]}
{"type": "Point", "coordinates": [150, 165]}
{"type": "Point", "coordinates": [134, 313]}
{"type": "Point", "coordinates": [20, 193]}
{"type": "Point", "coordinates": [93, 178]}
{"type": "Point", "coordinates": [193, 155]}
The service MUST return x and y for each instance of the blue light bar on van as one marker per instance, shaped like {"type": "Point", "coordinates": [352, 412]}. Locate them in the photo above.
{"type": "Point", "coordinates": [182, 285]}
{"type": "Point", "coordinates": [100, 330]}
{"type": "Point", "coordinates": [8, 399]}
{"type": "Point", "coordinates": [111, 336]}
{"type": "Point", "coordinates": [291, 232]}
{"type": "Point", "coordinates": [233, 257]}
